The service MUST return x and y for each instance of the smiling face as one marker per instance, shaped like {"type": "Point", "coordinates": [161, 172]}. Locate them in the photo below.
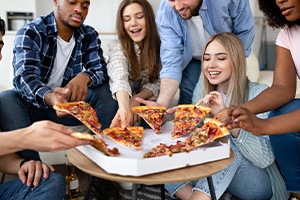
{"type": "Point", "coordinates": [216, 65]}
{"type": "Point", "coordinates": [290, 9]}
{"type": "Point", "coordinates": [71, 13]}
{"type": "Point", "coordinates": [134, 22]}
{"type": "Point", "coordinates": [186, 8]}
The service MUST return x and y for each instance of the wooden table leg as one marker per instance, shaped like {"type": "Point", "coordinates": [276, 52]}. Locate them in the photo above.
{"type": "Point", "coordinates": [211, 188]}
{"type": "Point", "coordinates": [89, 187]}
{"type": "Point", "coordinates": [134, 191]}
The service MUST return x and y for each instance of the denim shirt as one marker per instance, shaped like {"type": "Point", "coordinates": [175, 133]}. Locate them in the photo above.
{"type": "Point", "coordinates": [217, 15]}
{"type": "Point", "coordinates": [34, 54]}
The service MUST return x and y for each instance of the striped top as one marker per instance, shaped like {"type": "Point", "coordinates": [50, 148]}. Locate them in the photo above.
{"type": "Point", "coordinates": [118, 69]}
{"type": "Point", "coordinates": [257, 150]}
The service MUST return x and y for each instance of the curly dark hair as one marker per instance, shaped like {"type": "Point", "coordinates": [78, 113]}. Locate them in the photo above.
{"type": "Point", "coordinates": [2, 26]}
{"type": "Point", "coordinates": [273, 14]}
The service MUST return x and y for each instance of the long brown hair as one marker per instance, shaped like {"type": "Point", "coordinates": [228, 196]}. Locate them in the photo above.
{"type": "Point", "coordinates": [149, 57]}
{"type": "Point", "coordinates": [238, 88]}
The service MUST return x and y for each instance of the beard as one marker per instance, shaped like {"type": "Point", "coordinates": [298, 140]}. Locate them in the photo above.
{"type": "Point", "coordinates": [63, 17]}
{"type": "Point", "coordinates": [193, 11]}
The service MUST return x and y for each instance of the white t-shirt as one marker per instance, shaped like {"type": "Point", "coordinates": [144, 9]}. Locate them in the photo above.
{"type": "Point", "coordinates": [63, 54]}
{"type": "Point", "coordinates": [289, 38]}
{"type": "Point", "coordinates": [198, 34]}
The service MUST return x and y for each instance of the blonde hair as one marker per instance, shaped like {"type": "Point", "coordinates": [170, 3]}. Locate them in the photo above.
{"type": "Point", "coordinates": [238, 88]}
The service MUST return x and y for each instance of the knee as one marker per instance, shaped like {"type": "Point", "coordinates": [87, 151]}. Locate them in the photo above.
{"type": "Point", "coordinates": [56, 182]}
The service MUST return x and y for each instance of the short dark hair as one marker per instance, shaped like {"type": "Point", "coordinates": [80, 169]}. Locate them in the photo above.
{"type": "Point", "coordinates": [2, 26]}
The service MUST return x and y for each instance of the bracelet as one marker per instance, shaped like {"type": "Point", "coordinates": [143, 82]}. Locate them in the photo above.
{"type": "Point", "coordinates": [24, 161]}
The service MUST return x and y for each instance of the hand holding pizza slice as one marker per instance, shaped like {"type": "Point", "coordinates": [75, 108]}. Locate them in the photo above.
{"type": "Point", "coordinates": [84, 113]}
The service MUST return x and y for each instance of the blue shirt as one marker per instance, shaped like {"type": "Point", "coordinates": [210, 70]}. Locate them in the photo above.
{"type": "Point", "coordinates": [217, 15]}
{"type": "Point", "coordinates": [34, 55]}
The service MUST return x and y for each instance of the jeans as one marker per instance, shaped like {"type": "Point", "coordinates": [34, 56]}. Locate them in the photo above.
{"type": "Point", "coordinates": [190, 77]}
{"type": "Point", "coordinates": [241, 178]}
{"type": "Point", "coordinates": [53, 187]}
{"type": "Point", "coordinates": [286, 149]}
{"type": "Point", "coordinates": [16, 113]}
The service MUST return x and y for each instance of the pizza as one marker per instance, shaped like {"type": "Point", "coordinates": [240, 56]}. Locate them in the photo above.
{"type": "Point", "coordinates": [210, 131]}
{"type": "Point", "coordinates": [100, 145]}
{"type": "Point", "coordinates": [84, 113]}
{"type": "Point", "coordinates": [129, 136]}
{"type": "Point", "coordinates": [159, 150]}
{"type": "Point", "coordinates": [83, 136]}
{"type": "Point", "coordinates": [214, 129]}
{"type": "Point", "coordinates": [186, 118]}
{"type": "Point", "coordinates": [153, 115]}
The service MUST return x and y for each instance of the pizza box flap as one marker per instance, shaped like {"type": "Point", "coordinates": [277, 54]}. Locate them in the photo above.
{"type": "Point", "coordinates": [132, 163]}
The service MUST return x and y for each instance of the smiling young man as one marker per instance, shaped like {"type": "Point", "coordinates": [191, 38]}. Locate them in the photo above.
{"type": "Point", "coordinates": [56, 59]}
{"type": "Point", "coordinates": [184, 27]}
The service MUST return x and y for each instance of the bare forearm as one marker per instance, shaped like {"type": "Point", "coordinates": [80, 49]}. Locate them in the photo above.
{"type": "Point", "coordinates": [269, 99]}
{"type": "Point", "coordinates": [144, 94]}
{"type": "Point", "coordinates": [168, 89]}
{"type": "Point", "coordinates": [11, 141]}
{"type": "Point", "coordinates": [281, 124]}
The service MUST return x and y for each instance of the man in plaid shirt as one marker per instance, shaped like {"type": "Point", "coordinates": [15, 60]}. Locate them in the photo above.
{"type": "Point", "coordinates": [57, 59]}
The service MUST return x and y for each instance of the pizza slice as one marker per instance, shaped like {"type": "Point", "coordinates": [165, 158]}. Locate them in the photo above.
{"type": "Point", "coordinates": [186, 118]}
{"type": "Point", "coordinates": [210, 131]}
{"type": "Point", "coordinates": [129, 136]}
{"type": "Point", "coordinates": [180, 146]}
{"type": "Point", "coordinates": [83, 136]}
{"type": "Point", "coordinates": [153, 115]}
{"type": "Point", "coordinates": [100, 145]}
{"type": "Point", "coordinates": [214, 129]}
{"type": "Point", "coordinates": [159, 150]}
{"type": "Point", "coordinates": [84, 113]}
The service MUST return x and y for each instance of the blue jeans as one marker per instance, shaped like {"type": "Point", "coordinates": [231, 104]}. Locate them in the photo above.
{"type": "Point", "coordinates": [16, 113]}
{"type": "Point", "coordinates": [286, 149]}
{"type": "Point", "coordinates": [241, 178]}
{"type": "Point", "coordinates": [53, 187]}
{"type": "Point", "coordinates": [190, 77]}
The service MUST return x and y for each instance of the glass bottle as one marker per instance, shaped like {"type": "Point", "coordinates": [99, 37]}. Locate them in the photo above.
{"type": "Point", "coordinates": [73, 190]}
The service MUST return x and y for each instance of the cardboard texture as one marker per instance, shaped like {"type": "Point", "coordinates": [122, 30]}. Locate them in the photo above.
{"type": "Point", "coordinates": [132, 163]}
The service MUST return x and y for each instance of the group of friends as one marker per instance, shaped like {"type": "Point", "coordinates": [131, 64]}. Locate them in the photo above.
{"type": "Point", "coordinates": [196, 46]}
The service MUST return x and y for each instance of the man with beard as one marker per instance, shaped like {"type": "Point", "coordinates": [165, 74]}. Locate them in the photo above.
{"type": "Point", "coordinates": [184, 27]}
{"type": "Point", "coordinates": [56, 59]}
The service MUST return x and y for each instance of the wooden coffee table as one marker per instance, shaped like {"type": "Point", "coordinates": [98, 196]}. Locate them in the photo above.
{"type": "Point", "coordinates": [204, 170]}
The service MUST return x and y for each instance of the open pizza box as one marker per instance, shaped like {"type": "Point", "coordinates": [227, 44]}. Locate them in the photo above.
{"type": "Point", "coordinates": [132, 163]}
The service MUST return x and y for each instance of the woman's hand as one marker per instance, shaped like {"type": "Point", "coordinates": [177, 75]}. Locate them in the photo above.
{"type": "Point", "coordinates": [214, 101]}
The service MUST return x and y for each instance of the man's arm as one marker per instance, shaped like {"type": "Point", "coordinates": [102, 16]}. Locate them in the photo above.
{"type": "Point", "coordinates": [40, 136]}
{"type": "Point", "coordinates": [168, 89]}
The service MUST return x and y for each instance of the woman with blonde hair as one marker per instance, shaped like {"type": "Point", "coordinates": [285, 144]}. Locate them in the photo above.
{"type": "Point", "coordinates": [253, 173]}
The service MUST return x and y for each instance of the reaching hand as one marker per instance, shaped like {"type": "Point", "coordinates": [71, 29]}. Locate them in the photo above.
{"type": "Point", "coordinates": [147, 103]}
{"type": "Point", "coordinates": [50, 136]}
{"type": "Point", "coordinates": [214, 101]}
{"type": "Point", "coordinates": [122, 118]}
{"type": "Point", "coordinates": [243, 118]}
{"type": "Point", "coordinates": [78, 88]}
{"type": "Point", "coordinates": [31, 171]}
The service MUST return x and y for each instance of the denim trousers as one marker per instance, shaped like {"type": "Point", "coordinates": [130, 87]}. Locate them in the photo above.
{"type": "Point", "coordinates": [190, 77]}
{"type": "Point", "coordinates": [53, 187]}
{"type": "Point", "coordinates": [16, 112]}
{"type": "Point", "coordinates": [241, 178]}
{"type": "Point", "coordinates": [286, 149]}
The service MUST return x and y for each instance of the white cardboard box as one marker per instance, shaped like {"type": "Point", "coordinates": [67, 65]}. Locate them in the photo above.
{"type": "Point", "coordinates": [132, 163]}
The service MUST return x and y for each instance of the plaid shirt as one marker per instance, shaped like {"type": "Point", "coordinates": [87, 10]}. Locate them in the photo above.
{"type": "Point", "coordinates": [35, 51]}
{"type": "Point", "coordinates": [118, 69]}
